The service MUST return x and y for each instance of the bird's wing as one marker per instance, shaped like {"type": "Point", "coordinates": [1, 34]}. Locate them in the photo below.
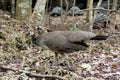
{"type": "Point", "coordinates": [54, 40]}
{"type": "Point", "coordinates": [57, 41]}
{"type": "Point", "coordinates": [78, 36]}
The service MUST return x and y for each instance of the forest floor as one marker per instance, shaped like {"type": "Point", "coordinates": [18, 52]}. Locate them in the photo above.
{"type": "Point", "coordinates": [20, 59]}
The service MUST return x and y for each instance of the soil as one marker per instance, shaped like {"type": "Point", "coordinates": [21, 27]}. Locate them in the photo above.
{"type": "Point", "coordinates": [100, 62]}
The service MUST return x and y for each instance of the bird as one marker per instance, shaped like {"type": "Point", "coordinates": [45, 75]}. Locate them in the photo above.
{"type": "Point", "coordinates": [101, 19]}
{"type": "Point", "coordinates": [100, 10]}
{"type": "Point", "coordinates": [75, 10]}
{"type": "Point", "coordinates": [62, 42]}
{"type": "Point", "coordinates": [56, 11]}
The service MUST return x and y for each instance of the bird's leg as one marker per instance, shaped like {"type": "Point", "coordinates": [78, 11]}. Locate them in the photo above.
{"type": "Point", "coordinates": [56, 56]}
{"type": "Point", "coordinates": [90, 47]}
{"type": "Point", "coordinates": [59, 56]}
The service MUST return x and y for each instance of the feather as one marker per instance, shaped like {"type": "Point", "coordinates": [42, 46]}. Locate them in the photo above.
{"type": "Point", "coordinates": [67, 41]}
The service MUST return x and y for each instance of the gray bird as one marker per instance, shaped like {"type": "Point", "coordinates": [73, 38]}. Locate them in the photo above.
{"type": "Point", "coordinates": [57, 11]}
{"type": "Point", "coordinates": [100, 21]}
{"type": "Point", "coordinates": [102, 10]}
{"type": "Point", "coordinates": [66, 41]}
{"type": "Point", "coordinates": [75, 10]}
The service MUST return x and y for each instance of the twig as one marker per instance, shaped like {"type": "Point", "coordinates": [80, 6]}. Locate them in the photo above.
{"type": "Point", "coordinates": [110, 10]}
{"type": "Point", "coordinates": [109, 74]}
{"type": "Point", "coordinates": [115, 32]}
{"type": "Point", "coordinates": [98, 4]}
{"type": "Point", "coordinates": [27, 25]}
{"type": "Point", "coordinates": [32, 74]}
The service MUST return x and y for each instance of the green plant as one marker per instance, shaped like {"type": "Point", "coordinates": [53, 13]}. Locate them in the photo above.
{"type": "Point", "coordinates": [74, 28]}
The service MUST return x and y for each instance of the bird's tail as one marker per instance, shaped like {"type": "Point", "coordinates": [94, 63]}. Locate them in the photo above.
{"type": "Point", "coordinates": [99, 37]}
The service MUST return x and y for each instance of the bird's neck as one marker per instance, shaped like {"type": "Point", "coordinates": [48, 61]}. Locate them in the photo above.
{"type": "Point", "coordinates": [39, 41]}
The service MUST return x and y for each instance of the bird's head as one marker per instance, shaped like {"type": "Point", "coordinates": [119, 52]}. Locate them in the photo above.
{"type": "Point", "coordinates": [37, 33]}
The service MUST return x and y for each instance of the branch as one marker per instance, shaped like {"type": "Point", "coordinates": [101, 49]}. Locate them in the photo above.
{"type": "Point", "coordinates": [32, 74]}
{"type": "Point", "coordinates": [109, 74]}
{"type": "Point", "coordinates": [110, 10]}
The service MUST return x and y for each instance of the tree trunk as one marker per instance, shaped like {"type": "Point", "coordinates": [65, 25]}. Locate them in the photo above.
{"type": "Point", "coordinates": [13, 8]}
{"type": "Point", "coordinates": [113, 15]}
{"type": "Point", "coordinates": [89, 16]}
{"type": "Point", "coordinates": [23, 10]}
{"type": "Point", "coordinates": [38, 14]}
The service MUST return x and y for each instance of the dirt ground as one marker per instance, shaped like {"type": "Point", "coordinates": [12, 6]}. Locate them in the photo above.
{"type": "Point", "coordinates": [21, 57]}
